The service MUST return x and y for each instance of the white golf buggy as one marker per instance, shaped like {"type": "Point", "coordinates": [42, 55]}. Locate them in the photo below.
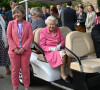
{"type": "Point", "coordinates": [85, 65]}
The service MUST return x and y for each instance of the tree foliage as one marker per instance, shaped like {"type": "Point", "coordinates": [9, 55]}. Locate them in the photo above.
{"type": "Point", "coordinates": [36, 4]}
{"type": "Point", "coordinates": [5, 3]}
{"type": "Point", "coordinates": [39, 4]}
{"type": "Point", "coordinates": [75, 3]}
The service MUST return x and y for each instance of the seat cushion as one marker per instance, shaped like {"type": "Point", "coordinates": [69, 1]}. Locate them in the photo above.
{"type": "Point", "coordinates": [91, 56]}
{"type": "Point", "coordinates": [79, 43]}
{"type": "Point", "coordinates": [88, 56]}
{"type": "Point", "coordinates": [36, 35]}
{"type": "Point", "coordinates": [89, 65]}
{"type": "Point", "coordinates": [41, 58]}
{"type": "Point", "coordinates": [33, 35]}
{"type": "Point", "coordinates": [36, 51]}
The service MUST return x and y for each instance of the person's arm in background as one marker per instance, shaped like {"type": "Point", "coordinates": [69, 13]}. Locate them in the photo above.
{"type": "Point", "coordinates": [34, 24]}
{"type": "Point", "coordinates": [6, 19]}
{"type": "Point", "coordinates": [84, 18]}
{"type": "Point", "coordinates": [75, 17]}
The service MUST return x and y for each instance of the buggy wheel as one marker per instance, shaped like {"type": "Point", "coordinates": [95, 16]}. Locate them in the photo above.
{"type": "Point", "coordinates": [21, 77]}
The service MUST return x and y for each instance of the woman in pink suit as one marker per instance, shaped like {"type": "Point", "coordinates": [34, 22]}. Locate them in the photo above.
{"type": "Point", "coordinates": [52, 42]}
{"type": "Point", "coordinates": [19, 35]}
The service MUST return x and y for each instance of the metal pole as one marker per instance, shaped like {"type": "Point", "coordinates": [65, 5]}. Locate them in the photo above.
{"type": "Point", "coordinates": [21, 2]}
{"type": "Point", "coordinates": [26, 6]}
{"type": "Point", "coordinates": [97, 3]}
{"type": "Point", "coordinates": [62, 14]}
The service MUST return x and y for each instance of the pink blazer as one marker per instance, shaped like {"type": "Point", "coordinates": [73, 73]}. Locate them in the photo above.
{"type": "Point", "coordinates": [13, 38]}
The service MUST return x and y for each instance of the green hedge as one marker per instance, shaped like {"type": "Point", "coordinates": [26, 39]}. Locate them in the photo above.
{"type": "Point", "coordinates": [39, 4]}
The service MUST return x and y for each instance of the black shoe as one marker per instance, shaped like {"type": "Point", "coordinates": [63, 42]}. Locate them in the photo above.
{"type": "Point", "coordinates": [67, 80]}
{"type": "Point", "coordinates": [70, 78]}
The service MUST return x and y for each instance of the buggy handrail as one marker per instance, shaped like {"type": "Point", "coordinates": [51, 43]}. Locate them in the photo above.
{"type": "Point", "coordinates": [41, 50]}
{"type": "Point", "coordinates": [76, 57]}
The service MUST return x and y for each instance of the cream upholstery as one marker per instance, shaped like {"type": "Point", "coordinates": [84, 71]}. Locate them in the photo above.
{"type": "Point", "coordinates": [81, 44]}
{"type": "Point", "coordinates": [89, 65]}
{"type": "Point", "coordinates": [36, 35]}
{"type": "Point", "coordinates": [41, 58]}
{"type": "Point", "coordinates": [91, 56]}
{"type": "Point", "coordinates": [65, 31]}
{"type": "Point", "coordinates": [33, 34]}
{"type": "Point", "coordinates": [89, 42]}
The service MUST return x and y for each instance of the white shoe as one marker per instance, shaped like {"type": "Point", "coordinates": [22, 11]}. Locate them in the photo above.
{"type": "Point", "coordinates": [26, 88]}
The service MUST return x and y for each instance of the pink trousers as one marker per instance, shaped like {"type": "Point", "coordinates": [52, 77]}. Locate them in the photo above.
{"type": "Point", "coordinates": [17, 62]}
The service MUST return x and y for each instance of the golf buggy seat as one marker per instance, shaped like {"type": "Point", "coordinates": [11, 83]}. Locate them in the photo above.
{"type": "Point", "coordinates": [85, 65]}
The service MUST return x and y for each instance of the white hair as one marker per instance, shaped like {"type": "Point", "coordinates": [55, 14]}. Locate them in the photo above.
{"type": "Point", "coordinates": [36, 11]}
{"type": "Point", "coordinates": [51, 18]}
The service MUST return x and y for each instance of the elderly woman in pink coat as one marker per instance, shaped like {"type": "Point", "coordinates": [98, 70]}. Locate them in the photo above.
{"type": "Point", "coordinates": [52, 42]}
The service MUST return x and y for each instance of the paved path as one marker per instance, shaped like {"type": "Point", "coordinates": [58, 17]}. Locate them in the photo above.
{"type": "Point", "coordinates": [5, 84]}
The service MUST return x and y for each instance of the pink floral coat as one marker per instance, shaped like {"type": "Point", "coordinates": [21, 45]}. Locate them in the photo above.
{"type": "Point", "coordinates": [47, 40]}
